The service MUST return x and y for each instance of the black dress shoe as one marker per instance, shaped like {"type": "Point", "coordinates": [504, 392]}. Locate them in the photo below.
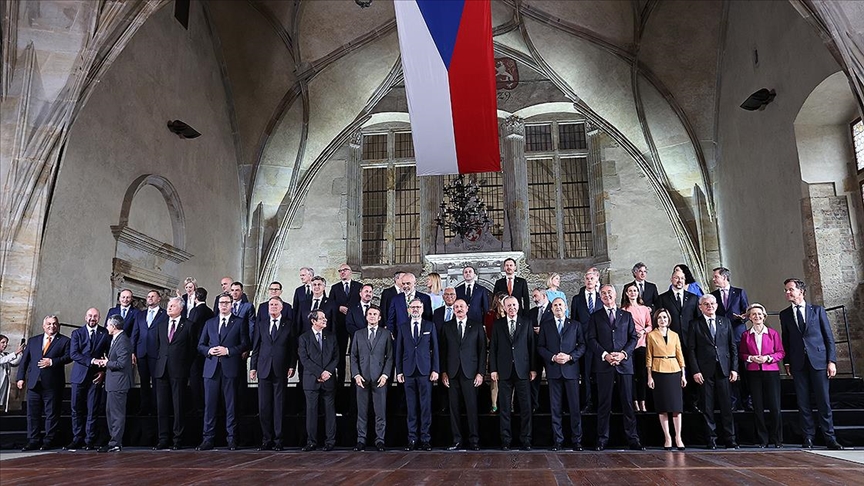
{"type": "Point", "coordinates": [176, 447]}
{"type": "Point", "coordinates": [556, 447]}
{"type": "Point", "coordinates": [455, 447]}
{"type": "Point", "coordinates": [309, 447]}
{"type": "Point", "coordinates": [327, 447]}
{"type": "Point", "coordinates": [426, 446]}
{"type": "Point", "coordinates": [361, 446]}
{"type": "Point", "coordinates": [31, 446]}
{"type": "Point", "coordinates": [474, 447]}
{"type": "Point", "coordinates": [577, 447]}
{"type": "Point", "coordinates": [712, 444]}
{"type": "Point", "coordinates": [74, 445]}
{"type": "Point", "coordinates": [380, 446]}
{"type": "Point", "coordinates": [90, 447]}
{"type": "Point", "coordinates": [278, 447]}
{"type": "Point", "coordinates": [412, 444]}
{"type": "Point", "coordinates": [161, 446]}
{"type": "Point", "coordinates": [266, 446]}
{"type": "Point", "coordinates": [636, 446]}
{"type": "Point", "coordinates": [732, 445]}
{"type": "Point", "coordinates": [588, 409]}
{"type": "Point", "coordinates": [505, 446]}
{"type": "Point", "coordinates": [110, 449]}
{"type": "Point", "coordinates": [526, 447]}
{"type": "Point", "coordinates": [777, 445]}
{"type": "Point", "coordinates": [601, 446]}
{"type": "Point", "coordinates": [834, 445]}
{"type": "Point", "coordinates": [205, 446]}
{"type": "Point", "coordinates": [762, 446]}
{"type": "Point", "coordinates": [807, 444]}
{"type": "Point", "coordinates": [232, 446]}
{"type": "Point", "coordinates": [47, 447]}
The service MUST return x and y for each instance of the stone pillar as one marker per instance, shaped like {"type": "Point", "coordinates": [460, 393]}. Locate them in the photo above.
{"type": "Point", "coordinates": [595, 189]}
{"type": "Point", "coordinates": [515, 168]}
{"type": "Point", "coordinates": [354, 209]}
{"type": "Point", "coordinates": [431, 195]}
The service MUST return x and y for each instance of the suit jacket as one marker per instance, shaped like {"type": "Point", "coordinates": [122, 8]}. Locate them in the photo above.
{"type": "Point", "coordinates": [128, 321]}
{"type": "Point", "coordinates": [299, 296]}
{"type": "Point", "coordinates": [420, 356]}
{"type": "Point", "coordinates": [215, 308]}
{"type": "Point", "coordinates": [438, 318]}
{"type": "Point", "coordinates": [479, 303]}
{"type": "Point", "coordinates": [264, 313]}
{"type": "Point", "coordinates": [520, 291]}
{"type": "Point", "coordinates": [772, 346]}
{"type": "Point", "coordinates": [144, 341]}
{"type": "Point", "coordinates": [706, 352]}
{"type": "Point", "coordinates": [546, 317]}
{"type": "Point", "coordinates": [118, 375]}
{"type": "Point", "coordinates": [465, 354]}
{"type": "Point", "coordinates": [663, 356]}
{"type": "Point", "coordinates": [507, 355]}
{"type": "Point", "coordinates": [198, 316]}
{"type": "Point", "coordinates": [235, 337]}
{"type": "Point", "coordinates": [337, 294]}
{"type": "Point", "coordinates": [571, 341]}
{"type": "Point", "coordinates": [609, 338]}
{"type": "Point", "coordinates": [246, 312]}
{"type": "Point", "coordinates": [371, 360]}
{"type": "Point", "coordinates": [175, 356]}
{"type": "Point", "coordinates": [301, 318]}
{"type": "Point", "coordinates": [273, 354]}
{"type": "Point", "coordinates": [82, 351]}
{"type": "Point", "coordinates": [579, 305]}
{"type": "Point", "coordinates": [53, 376]}
{"type": "Point", "coordinates": [738, 304]}
{"type": "Point", "coordinates": [815, 344]}
{"type": "Point", "coordinates": [681, 316]}
{"type": "Point", "coordinates": [356, 319]}
{"type": "Point", "coordinates": [386, 298]}
{"type": "Point", "coordinates": [649, 294]}
{"type": "Point", "coordinates": [398, 312]}
{"type": "Point", "coordinates": [315, 360]}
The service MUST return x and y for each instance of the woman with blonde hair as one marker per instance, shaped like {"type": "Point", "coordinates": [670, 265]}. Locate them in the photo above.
{"type": "Point", "coordinates": [552, 290]}
{"type": "Point", "coordinates": [664, 360]}
{"type": "Point", "coordinates": [761, 350]}
{"type": "Point", "coordinates": [435, 289]}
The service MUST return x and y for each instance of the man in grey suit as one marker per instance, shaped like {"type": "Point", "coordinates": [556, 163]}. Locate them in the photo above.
{"type": "Point", "coordinates": [118, 380]}
{"type": "Point", "coordinates": [371, 359]}
{"type": "Point", "coordinates": [319, 355]}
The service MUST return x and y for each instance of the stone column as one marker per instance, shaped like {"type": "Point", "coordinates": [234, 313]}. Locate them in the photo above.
{"type": "Point", "coordinates": [431, 195]}
{"type": "Point", "coordinates": [515, 168]}
{"type": "Point", "coordinates": [354, 209]}
{"type": "Point", "coordinates": [595, 189]}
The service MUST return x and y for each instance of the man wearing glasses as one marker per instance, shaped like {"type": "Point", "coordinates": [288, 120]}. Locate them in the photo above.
{"type": "Point", "coordinates": [417, 367]}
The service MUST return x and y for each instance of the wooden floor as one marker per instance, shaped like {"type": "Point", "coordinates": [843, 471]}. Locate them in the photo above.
{"type": "Point", "coordinates": [138, 466]}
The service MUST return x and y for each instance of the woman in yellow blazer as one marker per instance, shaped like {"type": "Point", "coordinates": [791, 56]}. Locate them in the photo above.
{"type": "Point", "coordinates": [664, 358]}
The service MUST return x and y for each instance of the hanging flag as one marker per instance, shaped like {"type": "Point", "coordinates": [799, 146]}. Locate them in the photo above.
{"type": "Point", "coordinates": [449, 72]}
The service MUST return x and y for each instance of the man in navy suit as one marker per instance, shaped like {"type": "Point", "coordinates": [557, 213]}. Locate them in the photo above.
{"type": "Point", "coordinates": [223, 342]}
{"type": "Point", "coordinates": [344, 294]}
{"type": "Point", "coordinates": [42, 368]}
{"type": "Point", "coordinates": [177, 347]}
{"type": "Point", "coordinates": [512, 365]}
{"type": "Point", "coordinates": [88, 344]}
{"type": "Point", "coordinates": [811, 359]}
{"type": "Point", "coordinates": [273, 362]}
{"type": "Point", "coordinates": [541, 312]}
{"type": "Point", "coordinates": [355, 319]}
{"type": "Point", "coordinates": [274, 290]}
{"type": "Point", "coordinates": [582, 306]}
{"type": "Point", "coordinates": [124, 309]}
{"type": "Point", "coordinates": [318, 353]}
{"type": "Point", "coordinates": [476, 295]}
{"type": "Point", "coordinates": [198, 316]}
{"type": "Point", "coordinates": [387, 296]}
{"type": "Point", "coordinates": [732, 304]}
{"type": "Point", "coordinates": [304, 291]}
{"type": "Point", "coordinates": [445, 312]}
{"type": "Point", "coordinates": [226, 283]}
{"type": "Point", "coordinates": [417, 367]}
{"type": "Point", "coordinates": [317, 301]}
{"type": "Point", "coordinates": [647, 290]}
{"type": "Point", "coordinates": [560, 345]}
{"type": "Point", "coordinates": [242, 309]}
{"type": "Point", "coordinates": [145, 348]}
{"type": "Point", "coordinates": [463, 356]}
{"type": "Point", "coordinates": [513, 286]}
{"type": "Point", "coordinates": [612, 335]}
{"type": "Point", "coordinates": [398, 314]}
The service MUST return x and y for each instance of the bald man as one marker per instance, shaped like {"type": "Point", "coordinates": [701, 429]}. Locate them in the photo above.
{"type": "Point", "coordinates": [89, 343]}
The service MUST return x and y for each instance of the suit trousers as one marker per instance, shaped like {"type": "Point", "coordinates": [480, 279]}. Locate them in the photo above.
{"type": "Point", "coordinates": [716, 390]}
{"type": "Point", "coordinates": [522, 388]}
{"type": "Point", "coordinates": [813, 381]}
{"type": "Point", "coordinates": [212, 387]}
{"type": "Point", "coordinates": [43, 400]}
{"type": "Point", "coordinates": [462, 390]}
{"type": "Point", "coordinates": [170, 401]}
{"type": "Point", "coordinates": [86, 404]}
{"type": "Point", "coordinates": [587, 375]}
{"type": "Point", "coordinates": [146, 368]}
{"type": "Point", "coordinates": [379, 405]}
{"type": "Point", "coordinates": [605, 385]}
{"type": "Point", "coordinates": [418, 395]}
{"type": "Point", "coordinates": [328, 395]}
{"type": "Point", "coordinates": [271, 406]}
{"type": "Point", "coordinates": [571, 388]}
{"type": "Point", "coordinates": [115, 411]}
{"type": "Point", "coordinates": [765, 389]}
{"type": "Point", "coordinates": [196, 383]}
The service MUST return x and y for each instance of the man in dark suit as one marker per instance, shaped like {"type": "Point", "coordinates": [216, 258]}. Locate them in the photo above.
{"type": "Point", "coordinates": [318, 353]}
{"type": "Point", "coordinates": [371, 360]}
{"type": "Point", "coordinates": [242, 309]}
{"type": "Point", "coordinates": [541, 312]}
{"type": "Point", "coordinates": [317, 301]}
{"type": "Point", "coordinates": [304, 291]}
{"type": "Point", "coordinates": [198, 315]}
{"type": "Point", "coordinates": [463, 356]}
{"type": "Point", "coordinates": [560, 345]}
{"type": "Point", "coordinates": [118, 380]}
{"type": "Point", "coordinates": [387, 296]}
{"type": "Point", "coordinates": [417, 366]}
{"type": "Point", "coordinates": [42, 368]}
{"type": "Point", "coordinates": [513, 286]}
{"type": "Point", "coordinates": [445, 312]}
{"type": "Point", "coordinates": [356, 317]}
{"type": "Point", "coordinates": [683, 308]}
{"type": "Point", "coordinates": [88, 344]}
{"type": "Point", "coordinates": [732, 304]}
{"type": "Point", "coordinates": [582, 306]}
{"type": "Point", "coordinates": [811, 360]}
{"type": "Point", "coordinates": [145, 348]}
{"type": "Point", "coordinates": [177, 347]}
{"type": "Point", "coordinates": [274, 290]}
{"type": "Point", "coordinates": [612, 334]}
{"type": "Point", "coordinates": [225, 283]}
{"type": "Point", "coordinates": [713, 360]}
{"type": "Point", "coordinates": [512, 365]}
{"type": "Point", "coordinates": [398, 315]}
{"type": "Point", "coordinates": [344, 294]}
{"type": "Point", "coordinates": [223, 342]}
{"type": "Point", "coordinates": [124, 309]}
{"type": "Point", "coordinates": [476, 295]}
{"type": "Point", "coordinates": [273, 362]}
{"type": "Point", "coordinates": [647, 290]}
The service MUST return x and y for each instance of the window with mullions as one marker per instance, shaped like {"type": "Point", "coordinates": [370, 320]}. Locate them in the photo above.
{"type": "Point", "coordinates": [858, 143]}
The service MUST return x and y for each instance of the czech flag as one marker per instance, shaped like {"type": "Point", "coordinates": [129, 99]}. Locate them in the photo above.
{"type": "Point", "coordinates": [449, 72]}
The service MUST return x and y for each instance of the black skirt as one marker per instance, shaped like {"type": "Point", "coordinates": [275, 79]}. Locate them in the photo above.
{"type": "Point", "coordinates": [667, 392]}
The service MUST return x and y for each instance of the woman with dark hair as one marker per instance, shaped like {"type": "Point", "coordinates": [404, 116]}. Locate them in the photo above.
{"type": "Point", "coordinates": [632, 303]}
{"type": "Point", "coordinates": [7, 361]}
{"type": "Point", "coordinates": [692, 285]}
{"type": "Point", "coordinates": [664, 359]}
{"type": "Point", "coordinates": [496, 311]}
{"type": "Point", "coordinates": [761, 351]}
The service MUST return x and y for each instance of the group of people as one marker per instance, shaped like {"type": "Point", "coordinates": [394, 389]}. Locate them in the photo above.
{"type": "Point", "coordinates": [676, 345]}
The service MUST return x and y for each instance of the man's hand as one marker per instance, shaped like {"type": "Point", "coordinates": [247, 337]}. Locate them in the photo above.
{"type": "Point", "coordinates": [433, 376]}
{"type": "Point", "coordinates": [478, 380]}
{"type": "Point", "coordinates": [99, 378]}
{"type": "Point", "coordinates": [358, 380]}
{"type": "Point", "coordinates": [218, 351]}
{"type": "Point", "coordinates": [733, 377]}
{"type": "Point", "coordinates": [788, 370]}
{"type": "Point", "coordinates": [290, 372]}
{"type": "Point", "coordinates": [536, 329]}
{"type": "Point", "coordinates": [325, 375]}
{"type": "Point", "coordinates": [832, 369]}
{"type": "Point", "coordinates": [445, 380]}
{"type": "Point", "coordinates": [609, 359]}
{"type": "Point", "coordinates": [533, 375]}
{"type": "Point", "coordinates": [698, 378]}
{"type": "Point", "coordinates": [382, 381]}
{"type": "Point", "coordinates": [400, 378]}
{"type": "Point", "coordinates": [44, 363]}
{"type": "Point", "coordinates": [20, 384]}
{"type": "Point", "coordinates": [134, 360]}
{"type": "Point", "coordinates": [343, 309]}
{"type": "Point", "coordinates": [253, 375]}
{"type": "Point", "coordinates": [494, 376]}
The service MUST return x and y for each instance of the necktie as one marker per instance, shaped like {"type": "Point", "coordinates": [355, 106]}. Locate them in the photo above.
{"type": "Point", "coordinates": [712, 328]}
{"type": "Point", "coordinates": [408, 299]}
{"type": "Point", "coordinates": [318, 339]}
{"type": "Point", "coordinates": [512, 328]}
{"type": "Point", "coordinates": [540, 314]}
{"type": "Point", "coordinates": [612, 317]}
{"type": "Point", "coordinates": [725, 298]}
{"type": "Point", "coordinates": [641, 289]}
{"type": "Point", "coordinates": [468, 294]}
{"type": "Point", "coordinates": [590, 302]}
{"type": "Point", "coordinates": [273, 327]}
{"type": "Point", "coordinates": [461, 329]}
{"type": "Point", "coordinates": [560, 326]}
{"type": "Point", "coordinates": [678, 298]}
{"type": "Point", "coordinates": [236, 307]}
{"type": "Point", "coordinates": [150, 315]}
{"type": "Point", "coordinates": [371, 336]}
{"type": "Point", "coordinates": [47, 345]}
{"type": "Point", "coordinates": [222, 326]}
{"type": "Point", "coordinates": [448, 314]}
{"type": "Point", "coordinates": [308, 292]}
{"type": "Point", "coordinates": [416, 331]}
{"type": "Point", "coordinates": [171, 330]}
{"type": "Point", "coordinates": [315, 304]}
{"type": "Point", "coordinates": [800, 316]}
{"type": "Point", "coordinates": [510, 286]}
{"type": "Point", "coordinates": [91, 332]}
{"type": "Point", "coordinates": [347, 288]}
{"type": "Point", "coordinates": [365, 308]}
{"type": "Point", "coordinates": [123, 312]}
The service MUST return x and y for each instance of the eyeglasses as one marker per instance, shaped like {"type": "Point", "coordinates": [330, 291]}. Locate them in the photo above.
{"type": "Point", "coordinates": [224, 302]}
{"type": "Point", "coordinates": [415, 306]}
{"type": "Point", "coordinates": [273, 289]}
{"type": "Point", "coordinates": [344, 270]}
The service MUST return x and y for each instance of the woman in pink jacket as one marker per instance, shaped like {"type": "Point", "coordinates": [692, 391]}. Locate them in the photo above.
{"type": "Point", "coordinates": [761, 350]}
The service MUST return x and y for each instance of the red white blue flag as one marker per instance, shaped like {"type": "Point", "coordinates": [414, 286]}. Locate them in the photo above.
{"type": "Point", "coordinates": [449, 69]}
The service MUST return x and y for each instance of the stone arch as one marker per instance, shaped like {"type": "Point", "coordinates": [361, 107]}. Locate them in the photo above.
{"type": "Point", "coordinates": [172, 200]}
